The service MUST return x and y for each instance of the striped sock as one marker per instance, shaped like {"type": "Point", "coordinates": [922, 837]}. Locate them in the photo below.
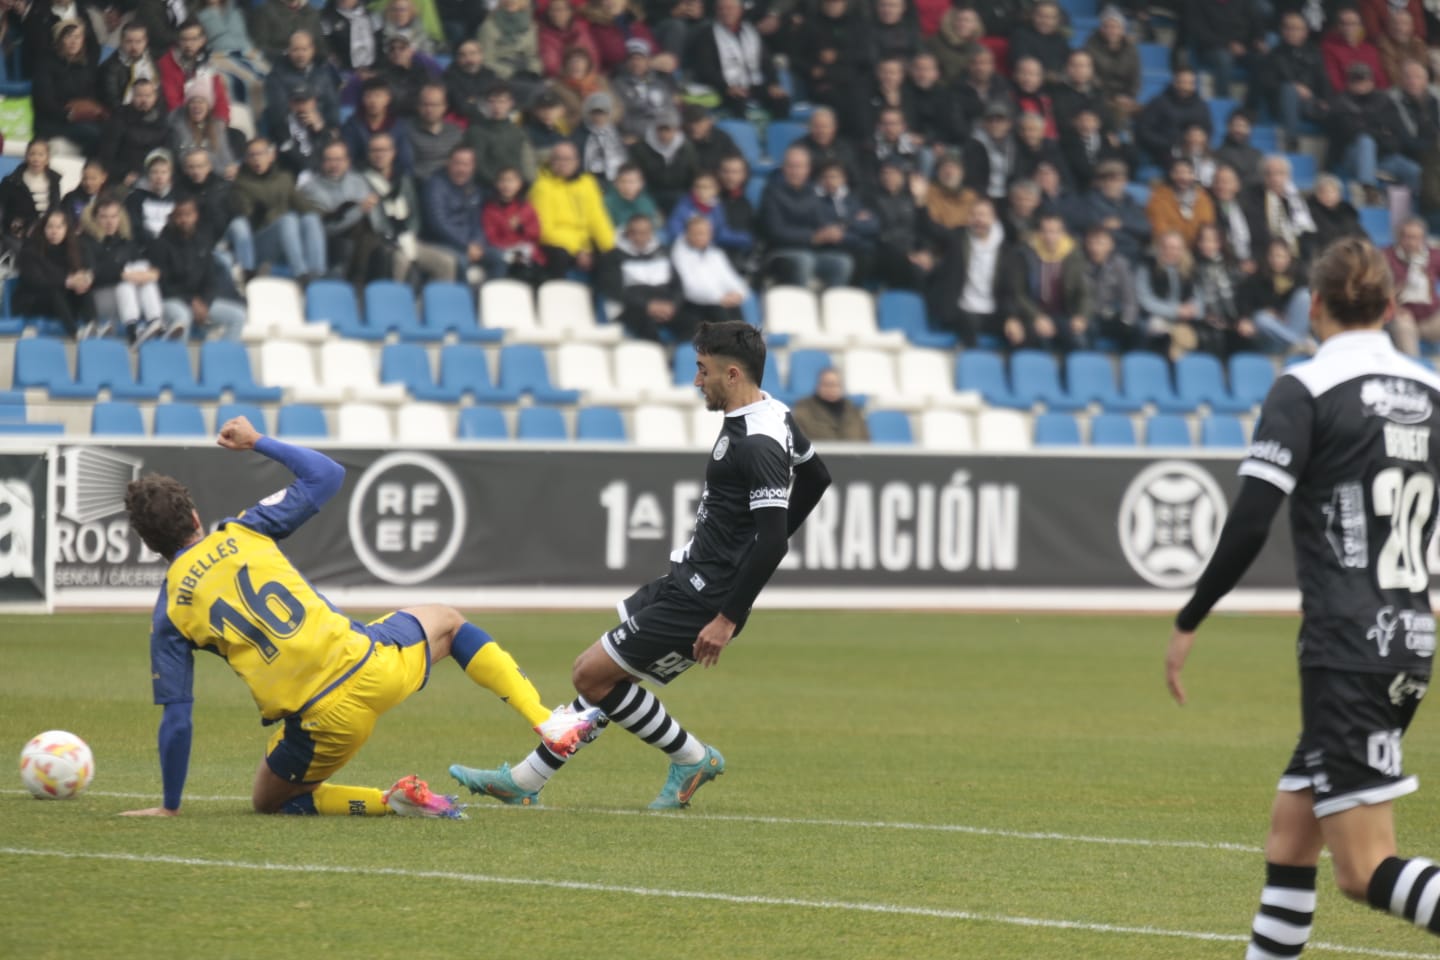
{"type": "Point", "coordinates": [540, 765]}
{"type": "Point", "coordinates": [1409, 889]}
{"type": "Point", "coordinates": [641, 712]}
{"type": "Point", "coordinates": [1287, 911]}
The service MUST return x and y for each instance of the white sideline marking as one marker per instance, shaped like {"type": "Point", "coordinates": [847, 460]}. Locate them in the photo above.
{"type": "Point", "coordinates": [801, 822]}
{"type": "Point", "coordinates": [739, 899]}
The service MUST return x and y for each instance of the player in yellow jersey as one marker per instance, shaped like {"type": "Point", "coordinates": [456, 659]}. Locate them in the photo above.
{"type": "Point", "coordinates": [324, 677]}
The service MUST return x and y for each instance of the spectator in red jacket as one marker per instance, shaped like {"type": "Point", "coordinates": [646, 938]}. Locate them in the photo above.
{"type": "Point", "coordinates": [512, 230]}
{"type": "Point", "coordinates": [189, 60]}
{"type": "Point", "coordinates": [1346, 44]}
{"type": "Point", "coordinates": [1373, 13]}
{"type": "Point", "coordinates": [1416, 267]}
{"type": "Point", "coordinates": [560, 31]}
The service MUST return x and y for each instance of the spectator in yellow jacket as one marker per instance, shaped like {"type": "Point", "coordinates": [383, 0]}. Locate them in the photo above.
{"type": "Point", "coordinates": [574, 227]}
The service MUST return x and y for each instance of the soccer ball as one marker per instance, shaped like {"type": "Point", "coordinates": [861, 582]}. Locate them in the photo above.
{"type": "Point", "coordinates": [56, 765]}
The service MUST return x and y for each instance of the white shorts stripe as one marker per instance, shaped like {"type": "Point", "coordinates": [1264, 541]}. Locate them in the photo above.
{"type": "Point", "coordinates": [1280, 931]}
{"type": "Point", "coordinates": [1292, 784]}
{"type": "Point", "coordinates": [1365, 798]}
{"type": "Point", "coordinates": [1404, 882]}
{"type": "Point", "coordinates": [1301, 901]}
{"type": "Point", "coordinates": [1425, 908]}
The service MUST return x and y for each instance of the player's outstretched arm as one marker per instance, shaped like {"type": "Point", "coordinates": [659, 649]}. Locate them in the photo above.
{"type": "Point", "coordinates": [175, 734]}
{"type": "Point", "coordinates": [812, 478]}
{"type": "Point", "coordinates": [317, 479]}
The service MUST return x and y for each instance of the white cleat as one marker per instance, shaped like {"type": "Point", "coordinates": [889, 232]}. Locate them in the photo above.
{"type": "Point", "coordinates": [566, 728]}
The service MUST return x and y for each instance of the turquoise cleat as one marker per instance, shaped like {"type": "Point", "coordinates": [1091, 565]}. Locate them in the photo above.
{"type": "Point", "coordinates": [495, 783]}
{"type": "Point", "coordinates": [685, 779]}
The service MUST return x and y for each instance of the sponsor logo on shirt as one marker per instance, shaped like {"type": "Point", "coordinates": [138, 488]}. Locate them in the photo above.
{"type": "Point", "coordinates": [697, 581]}
{"type": "Point", "coordinates": [1396, 399]}
{"type": "Point", "coordinates": [760, 494]}
{"type": "Point", "coordinates": [1345, 526]}
{"type": "Point", "coordinates": [1417, 626]}
{"type": "Point", "coordinates": [1271, 451]}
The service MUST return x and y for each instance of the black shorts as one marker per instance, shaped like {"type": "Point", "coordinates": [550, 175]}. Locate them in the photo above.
{"type": "Point", "coordinates": [655, 640]}
{"type": "Point", "coordinates": [1351, 725]}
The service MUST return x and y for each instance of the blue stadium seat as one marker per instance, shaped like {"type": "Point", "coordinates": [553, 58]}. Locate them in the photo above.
{"type": "Point", "coordinates": [26, 428]}
{"type": "Point", "coordinates": [683, 364]}
{"type": "Point", "coordinates": [1090, 378]}
{"type": "Point", "coordinates": [179, 420]}
{"type": "Point", "coordinates": [523, 370]}
{"type": "Point", "coordinates": [165, 365]}
{"type": "Point", "coordinates": [1251, 375]}
{"type": "Point", "coordinates": [541, 423]}
{"type": "Point", "coordinates": [1223, 432]}
{"type": "Point", "coordinates": [749, 311]}
{"type": "Point", "coordinates": [1303, 169]}
{"type": "Point", "coordinates": [106, 363]}
{"type": "Point", "coordinates": [228, 411]}
{"type": "Point", "coordinates": [779, 135]}
{"type": "Point", "coordinates": [1152, 85]}
{"type": "Point", "coordinates": [805, 367]}
{"type": "Point", "coordinates": [409, 363]}
{"type": "Point", "coordinates": [1155, 58]}
{"type": "Point", "coordinates": [1112, 430]}
{"type": "Point", "coordinates": [465, 368]}
{"type": "Point", "coordinates": [1377, 226]}
{"type": "Point", "coordinates": [302, 420]}
{"type": "Point", "coordinates": [333, 301]}
{"type": "Point", "coordinates": [755, 189]}
{"type": "Point", "coordinates": [1167, 430]}
{"type": "Point", "coordinates": [1079, 8]}
{"type": "Point", "coordinates": [483, 423]}
{"type": "Point", "coordinates": [746, 140]}
{"type": "Point", "coordinates": [1035, 378]}
{"type": "Point", "coordinates": [889, 427]}
{"type": "Point", "coordinates": [391, 306]}
{"type": "Point", "coordinates": [41, 363]}
{"type": "Point", "coordinates": [117, 418]}
{"type": "Point", "coordinates": [600, 424]}
{"type": "Point", "coordinates": [905, 311]}
{"type": "Point", "coordinates": [225, 365]}
{"type": "Point", "coordinates": [1139, 192]}
{"type": "Point", "coordinates": [450, 306]}
{"type": "Point", "coordinates": [1199, 378]}
{"type": "Point", "coordinates": [1056, 430]}
{"type": "Point", "coordinates": [984, 371]}
{"type": "Point", "coordinates": [1265, 138]}
{"type": "Point", "coordinates": [1145, 378]}
{"type": "Point", "coordinates": [9, 165]}
{"type": "Point", "coordinates": [1220, 109]}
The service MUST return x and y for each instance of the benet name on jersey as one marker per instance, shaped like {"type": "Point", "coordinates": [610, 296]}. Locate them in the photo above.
{"type": "Point", "coordinates": [1407, 443]}
{"type": "Point", "coordinates": [225, 548]}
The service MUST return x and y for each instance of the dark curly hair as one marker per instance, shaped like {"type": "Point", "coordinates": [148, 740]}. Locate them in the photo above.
{"type": "Point", "coordinates": [736, 340]}
{"type": "Point", "coordinates": [161, 512]}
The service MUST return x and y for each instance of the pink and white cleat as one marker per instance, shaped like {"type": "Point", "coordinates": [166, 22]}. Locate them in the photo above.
{"type": "Point", "coordinates": [566, 728]}
{"type": "Point", "coordinates": [412, 797]}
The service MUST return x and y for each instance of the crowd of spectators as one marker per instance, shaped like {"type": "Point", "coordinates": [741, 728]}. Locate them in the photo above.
{"type": "Point", "coordinates": [977, 153]}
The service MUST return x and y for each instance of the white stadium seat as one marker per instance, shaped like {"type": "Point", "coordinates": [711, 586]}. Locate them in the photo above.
{"type": "Point", "coordinates": [349, 367]}
{"type": "Point", "coordinates": [949, 431]}
{"type": "Point", "coordinates": [794, 312]}
{"type": "Point", "coordinates": [423, 423]}
{"type": "Point", "coordinates": [568, 309]}
{"type": "Point", "coordinates": [586, 367]}
{"type": "Point", "coordinates": [705, 427]}
{"type": "Point", "coordinates": [275, 308]}
{"type": "Point", "coordinates": [364, 423]}
{"type": "Point", "coordinates": [641, 365]}
{"type": "Point", "coordinates": [291, 365]}
{"type": "Point", "coordinates": [70, 169]}
{"type": "Point", "coordinates": [654, 426]}
{"type": "Point", "coordinates": [509, 305]}
{"type": "Point", "coordinates": [872, 373]}
{"type": "Point", "coordinates": [1003, 431]}
{"type": "Point", "coordinates": [849, 312]}
{"type": "Point", "coordinates": [929, 375]}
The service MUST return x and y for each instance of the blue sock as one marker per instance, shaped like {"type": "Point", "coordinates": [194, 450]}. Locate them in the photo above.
{"type": "Point", "coordinates": [303, 805]}
{"type": "Point", "coordinates": [468, 641]}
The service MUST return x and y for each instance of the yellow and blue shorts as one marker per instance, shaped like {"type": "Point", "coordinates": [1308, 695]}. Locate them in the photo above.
{"type": "Point", "coordinates": [314, 744]}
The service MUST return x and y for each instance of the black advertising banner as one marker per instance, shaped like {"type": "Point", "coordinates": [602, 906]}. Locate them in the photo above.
{"type": "Point", "coordinates": [464, 517]}
{"type": "Point", "coordinates": [24, 506]}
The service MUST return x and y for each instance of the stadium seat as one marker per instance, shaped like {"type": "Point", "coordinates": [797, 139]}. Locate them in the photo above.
{"type": "Point", "coordinates": [586, 368]}
{"type": "Point", "coordinates": [523, 370]}
{"type": "Point", "coordinates": [750, 311]}
{"type": "Point", "coordinates": [390, 307]}
{"type": "Point", "coordinates": [106, 364]}
{"type": "Point", "coordinates": [905, 311]}
{"type": "Point", "coordinates": [600, 425]}
{"type": "Point", "coordinates": [165, 365]}
{"type": "Point", "coordinates": [1035, 378]}
{"type": "Point", "coordinates": [116, 418]}
{"type": "Point", "coordinates": [641, 366]}
{"type": "Point", "coordinates": [849, 313]}
{"type": "Point", "coordinates": [408, 364]}
{"type": "Point", "coordinates": [1220, 109]}
{"type": "Point", "coordinates": [1251, 375]}
{"type": "Point", "coordinates": [1056, 430]}
{"type": "Point", "coordinates": [333, 302]}
{"type": "Point", "coordinates": [746, 140]}
{"type": "Point", "coordinates": [275, 308]}
{"type": "Point", "coordinates": [1376, 222]}
{"type": "Point", "coordinates": [805, 369]}
{"type": "Point", "coordinates": [465, 369]}
{"type": "Point", "coordinates": [871, 373]}
{"type": "Point", "coordinates": [705, 426]}
{"type": "Point", "coordinates": [656, 426]}
{"type": "Point", "coordinates": [41, 363]}
{"type": "Point", "coordinates": [291, 366]}
{"type": "Point", "coordinates": [794, 313]}
{"type": "Point", "coordinates": [1263, 137]}
{"type": "Point", "coordinates": [483, 423]}
{"type": "Point", "coordinates": [302, 420]}
{"type": "Point", "coordinates": [1154, 58]}
{"type": "Point", "coordinates": [890, 427]}
{"type": "Point", "coordinates": [1303, 169]}
{"type": "Point", "coordinates": [682, 365]}
{"type": "Point", "coordinates": [1139, 192]}
{"type": "Point", "coordinates": [1090, 377]}
{"type": "Point", "coordinates": [1200, 378]}
{"type": "Point", "coordinates": [1112, 430]}
{"type": "Point", "coordinates": [30, 428]}
{"type": "Point", "coordinates": [423, 424]}
{"type": "Point", "coordinates": [949, 431]}
{"type": "Point", "coordinates": [347, 366]}
{"type": "Point", "coordinates": [364, 423]}
{"type": "Point", "coordinates": [509, 306]}
{"type": "Point", "coordinates": [450, 307]}
{"type": "Point", "coordinates": [179, 420]}
{"type": "Point", "coordinates": [984, 372]}
{"type": "Point", "coordinates": [568, 309]}
{"type": "Point", "coordinates": [926, 375]}
{"type": "Point", "coordinates": [541, 423]}
{"type": "Point", "coordinates": [778, 137]}
{"type": "Point", "coordinates": [1167, 430]}
{"type": "Point", "coordinates": [1145, 378]}
{"type": "Point", "coordinates": [229, 411]}
{"type": "Point", "coordinates": [1002, 431]}
{"type": "Point", "coordinates": [1222, 432]}
{"type": "Point", "coordinates": [755, 188]}
{"type": "Point", "coordinates": [225, 365]}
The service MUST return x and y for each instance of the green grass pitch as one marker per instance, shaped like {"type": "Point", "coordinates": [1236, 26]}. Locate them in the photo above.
{"type": "Point", "coordinates": [898, 786]}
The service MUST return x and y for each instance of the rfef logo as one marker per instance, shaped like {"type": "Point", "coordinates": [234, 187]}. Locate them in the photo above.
{"type": "Point", "coordinates": [1169, 521]}
{"type": "Point", "coordinates": [407, 518]}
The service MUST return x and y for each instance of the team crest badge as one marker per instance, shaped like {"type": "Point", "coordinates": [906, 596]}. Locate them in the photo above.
{"type": "Point", "coordinates": [719, 452]}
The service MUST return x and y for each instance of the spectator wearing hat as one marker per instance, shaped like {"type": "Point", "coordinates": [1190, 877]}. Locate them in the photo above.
{"type": "Point", "coordinates": [667, 160]}
{"type": "Point", "coordinates": [66, 91]}
{"type": "Point", "coordinates": [602, 152]}
{"type": "Point", "coordinates": [932, 111]}
{"type": "Point", "coordinates": [1180, 203]}
{"type": "Point", "coordinates": [352, 34]}
{"type": "Point", "coordinates": [512, 230]}
{"type": "Point", "coordinates": [1117, 65]}
{"type": "Point", "coordinates": [626, 197]}
{"type": "Point", "coordinates": [405, 72]}
{"type": "Point", "coordinates": [643, 92]}
{"type": "Point", "coordinates": [194, 124]}
{"type": "Point", "coordinates": [190, 284]}
{"type": "Point", "coordinates": [712, 145]}
{"type": "Point", "coordinates": [711, 291]}
{"type": "Point", "coordinates": [641, 278]}
{"type": "Point", "coordinates": [298, 69]}
{"type": "Point", "coordinates": [153, 197]}
{"type": "Point", "coordinates": [273, 220]}
{"type": "Point", "coordinates": [511, 45]}
{"type": "Point", "coordinates": [354, 223]}
{"type": "Point", "coordinates": [733, 59]}
{"type": "Point", "coordinates": [132, 132]}
{"type": "Point", "coordinates": [1345, 46]}
{"type": "Point", "coordinates": [303, 133]}
{"type": "Point", "coordinates": [1085, 145]}
{"type": "Point", "coordinates": [1366, 134]}
{"type": "Point", "coordinates": [130, 63]}
{"type": "Point", "coordinates": [187, 65]}
{"type": "Point", "coordinates": [574, 228]}
{"type": "Point", "coordinates": [497, 141]}
{"type": "Point", "coordinates": [805, 241]}
{"type": "Point", "coordinates": [274, 23]}
{"type": "Point", "coordinates": [825, 146]}
{"type": "Point", "coordinates": [451, 219]}
{"type": "Point", "coordinates": [1159, 127]}
{"type": "Point", "coordinates": [990, 154]}
{"type": "Point", "coordinates": [127, 285]}
{"type": "Point", "coordinates": [430, 137]}
{"type": "Point", "coordinates": [1109, 206]}
{"type": "Point", "coordinates": [377, 114]}
{"type": "Point", "coordinates": [560, 31]}
{"type": "Point", "coordinates": [828, 414]}
{"type": "Point", "coordinates": [467, 81]}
